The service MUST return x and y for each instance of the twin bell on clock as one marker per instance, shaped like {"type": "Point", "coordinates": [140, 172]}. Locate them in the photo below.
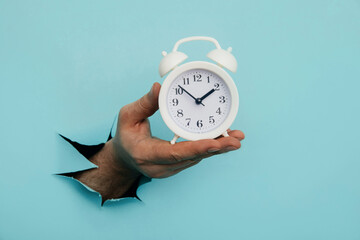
{"type": "Point", "coordinates": [198, 99]}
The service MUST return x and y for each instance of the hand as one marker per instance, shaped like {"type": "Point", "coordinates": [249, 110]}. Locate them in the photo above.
{"type": "Point", "coordinates": [134, 151]}
{"type": "Point", "coordinates": [197, 100]}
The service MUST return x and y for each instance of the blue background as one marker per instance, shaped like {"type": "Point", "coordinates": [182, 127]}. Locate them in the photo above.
{"type": "Point", "coordinates": [69, 66]}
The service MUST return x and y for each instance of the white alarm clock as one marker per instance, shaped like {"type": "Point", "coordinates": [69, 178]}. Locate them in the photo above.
{"type": "Point", "coordinates": [198, 100]}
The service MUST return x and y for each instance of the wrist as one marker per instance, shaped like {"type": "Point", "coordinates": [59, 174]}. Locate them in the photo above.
{"type": "Point", "coordinates": [112, 161]}
{"type": "Point", "coordinates": [112, 178]}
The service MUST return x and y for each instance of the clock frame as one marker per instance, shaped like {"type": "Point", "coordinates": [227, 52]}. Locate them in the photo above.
{"type": "Point", "coordinates": [173, 126]}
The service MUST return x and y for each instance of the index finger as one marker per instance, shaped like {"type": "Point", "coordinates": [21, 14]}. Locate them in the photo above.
{"type": "Point", "coordinates": [166, 153]}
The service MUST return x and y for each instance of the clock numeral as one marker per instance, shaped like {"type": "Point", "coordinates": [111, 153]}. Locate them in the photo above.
{"type": "Point", "coordinates": [197, 78]}
{"type": "Point", "coordinates": [218, 111]}
{"type": "Point", "coordinates": [175, 102]}
{"type": "Point", "coordinates": [222, 99]}
{"type": "Point", "coordinates": [179, 91]}
{"type": "Point", "coordinates": [186, 81]}
{"type": "Point", "coordinates": [211, 119]}
{"type": "Point", "coordinates": [208, 78]}
{"type": "Point", "coordinates": [199, 123]}
{"type": "Point", "coordinates": [189, 120]}
{"type": "Point", "coordinates": [216, 87]}
{"type": "Point", "coordinates": [180, 113]}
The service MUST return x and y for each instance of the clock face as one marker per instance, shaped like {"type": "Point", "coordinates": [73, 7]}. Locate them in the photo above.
{"type": "Point", "coordinates": [198, 101]}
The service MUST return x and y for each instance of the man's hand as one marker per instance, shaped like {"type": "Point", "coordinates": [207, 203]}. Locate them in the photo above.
{"type": "Point", "coordinates": [134, 151]}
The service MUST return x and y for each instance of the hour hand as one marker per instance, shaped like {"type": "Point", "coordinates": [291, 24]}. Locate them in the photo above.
{"type": "Point", "coordinates": [207, 94]}
{"type": "Point", "coordinates": [197, 100]}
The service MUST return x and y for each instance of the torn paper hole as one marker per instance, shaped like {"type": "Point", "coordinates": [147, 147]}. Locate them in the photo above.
{"type": "Point", "coordinates": [90, 150]}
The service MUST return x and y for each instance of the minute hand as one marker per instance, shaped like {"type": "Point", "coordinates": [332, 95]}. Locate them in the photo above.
{"type": "Point", "coordinates": [196, 99]}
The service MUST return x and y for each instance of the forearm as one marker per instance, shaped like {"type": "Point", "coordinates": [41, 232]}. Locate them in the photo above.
{"type": "Point", "coordinates": [112, 179]}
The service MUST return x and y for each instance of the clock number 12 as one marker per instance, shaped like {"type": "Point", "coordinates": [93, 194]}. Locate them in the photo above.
{"type": "Point", "coordinates": [197, 78]}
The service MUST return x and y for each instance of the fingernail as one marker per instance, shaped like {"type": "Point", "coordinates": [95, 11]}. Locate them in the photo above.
{"type": "Point", "coordinates": [230, 148]}
{"type": "Point", "coordinates": [151, 92]}
{"type": "Point", "coordinates": [211, 150]}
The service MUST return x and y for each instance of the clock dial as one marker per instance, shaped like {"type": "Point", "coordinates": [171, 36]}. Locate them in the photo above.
{"type": "Point", "coordinates": [198, 100]}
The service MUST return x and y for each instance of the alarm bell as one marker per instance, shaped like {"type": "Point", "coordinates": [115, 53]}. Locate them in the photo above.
{"type": "Point", "coordinates": [170, 61]}
{"type": "Point", "coordinates": [222, 57]}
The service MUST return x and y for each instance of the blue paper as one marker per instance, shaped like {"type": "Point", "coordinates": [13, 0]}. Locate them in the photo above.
{"type": "Point", "coordinates": [69, 66]}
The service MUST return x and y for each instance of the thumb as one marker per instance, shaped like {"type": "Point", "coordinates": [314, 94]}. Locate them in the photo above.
{"type": "Point", "coordinates": [142, 108]}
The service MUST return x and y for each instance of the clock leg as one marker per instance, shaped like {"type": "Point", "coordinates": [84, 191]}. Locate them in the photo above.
{"type": "Point", "coordinates": [174, 139]}
{"type": "Point", "coordinates": [225, 134]}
